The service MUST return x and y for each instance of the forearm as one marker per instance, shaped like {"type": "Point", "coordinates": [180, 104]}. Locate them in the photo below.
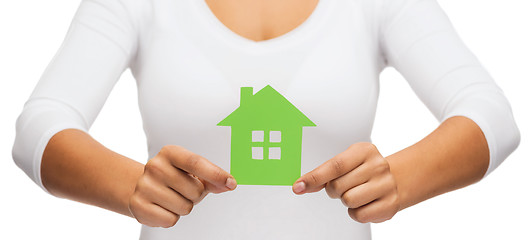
{"type": "Point", "coordinates": [455, 155]}
{"type": "Point", "coordinates": [77, 167]}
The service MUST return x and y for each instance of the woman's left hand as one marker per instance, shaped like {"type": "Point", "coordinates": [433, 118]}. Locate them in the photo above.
{"type": "Point", "coordinates": [361, 177]}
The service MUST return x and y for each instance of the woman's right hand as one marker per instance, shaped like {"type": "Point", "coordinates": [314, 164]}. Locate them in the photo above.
{"type": "Point", "coordinates": [172, 183]}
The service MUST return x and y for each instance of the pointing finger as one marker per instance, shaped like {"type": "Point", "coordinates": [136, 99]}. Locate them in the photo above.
{"type": "Point", "coordinates": [337, 166]}
{"type": "Point", "coordinates": [217, 180]}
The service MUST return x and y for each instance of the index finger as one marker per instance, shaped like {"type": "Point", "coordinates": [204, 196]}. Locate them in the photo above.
{"type": "Point", "coordinates": [335, 167]}
{"type": "Point", "coordinates": [218, 180]}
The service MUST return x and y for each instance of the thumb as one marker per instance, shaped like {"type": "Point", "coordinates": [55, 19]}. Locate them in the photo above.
{"type": "Point", "coordinates": [308, 183]}
{"type": "Point", "coordinates": [230, 184]}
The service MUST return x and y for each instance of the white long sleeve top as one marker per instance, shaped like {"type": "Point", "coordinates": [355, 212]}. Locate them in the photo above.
{"type": "Point", "coordinates": [190, 69]}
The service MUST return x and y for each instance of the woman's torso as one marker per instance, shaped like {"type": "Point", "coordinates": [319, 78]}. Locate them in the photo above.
{"type": "Point", "coordinates": [190, 69]}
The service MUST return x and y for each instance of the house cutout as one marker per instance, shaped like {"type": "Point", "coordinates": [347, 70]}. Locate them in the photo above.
{"type": "Point", "coordinates": [266, 136]}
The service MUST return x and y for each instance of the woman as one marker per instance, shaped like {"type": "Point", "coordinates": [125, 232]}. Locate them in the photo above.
{"type": "Point", "coordinates": [193, 61]}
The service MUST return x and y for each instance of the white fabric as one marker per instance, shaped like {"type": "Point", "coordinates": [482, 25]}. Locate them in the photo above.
{"type": "Point", "coordinates": [189, 69]}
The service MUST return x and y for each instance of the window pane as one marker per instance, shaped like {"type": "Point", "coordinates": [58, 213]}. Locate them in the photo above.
{"type": "Point", "coordinates": [257, 153]}
{"type": "Point", "coordinates": [275, 136]}
{"type": "Point", "coordinates": [257, 136]}
{"type": "Point", "coordinates": [274, 153]}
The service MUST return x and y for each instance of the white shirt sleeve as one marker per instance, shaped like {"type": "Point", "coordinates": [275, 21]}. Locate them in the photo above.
{"type": "Point", "coordinates": [418, 40]}
{"type": "Point", "coordinates": [97, 49]}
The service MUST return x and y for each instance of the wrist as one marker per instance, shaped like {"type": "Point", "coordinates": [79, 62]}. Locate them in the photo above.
{"type": "Point", "coordinates": [401, 177]}
{"type": "Point", "coordinates": [128, 187]}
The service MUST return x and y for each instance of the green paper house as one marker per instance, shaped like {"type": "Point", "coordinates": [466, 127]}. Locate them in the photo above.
{"type": "Point", "coordinates": [266, 135]}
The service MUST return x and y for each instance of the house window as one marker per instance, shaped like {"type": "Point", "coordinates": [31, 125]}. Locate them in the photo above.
{"type": "Point", "coordinates": [274, 153]}
{"type": "Point", "coordinates": [257, 153]}
{"type": "Point", "coordinates": [275, 136]}
{"type": "Point", "coordinates": [257, 136]}
{"type": "Point", "coordinates": [266, 145]}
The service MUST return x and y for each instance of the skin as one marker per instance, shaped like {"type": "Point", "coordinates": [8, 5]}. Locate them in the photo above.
{"type": "Point", "coordinates": [372, 187]}
{"type": "Point", "coordinates": [77, 167]}
{"type": "Point", "coordinates": [260, 20]}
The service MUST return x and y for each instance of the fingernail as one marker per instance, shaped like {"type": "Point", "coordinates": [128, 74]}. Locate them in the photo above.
{"type": "Point", "coordinates": [299, 187]}
{"type": "Point", "coordinates": [230, 183]}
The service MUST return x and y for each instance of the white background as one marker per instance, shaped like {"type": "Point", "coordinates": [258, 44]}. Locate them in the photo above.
{"type": "Point", "coordinates": [499, 207]}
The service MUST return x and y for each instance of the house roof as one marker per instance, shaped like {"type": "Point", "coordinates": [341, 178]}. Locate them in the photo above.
{"type": "Point", "coordinates": [267, 108]}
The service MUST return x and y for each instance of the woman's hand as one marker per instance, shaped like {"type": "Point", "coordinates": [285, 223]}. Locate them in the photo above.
{"type": "Point", "coordinates": [173, 182]}
{"type": "Point", "coordinates": [361, 177]}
